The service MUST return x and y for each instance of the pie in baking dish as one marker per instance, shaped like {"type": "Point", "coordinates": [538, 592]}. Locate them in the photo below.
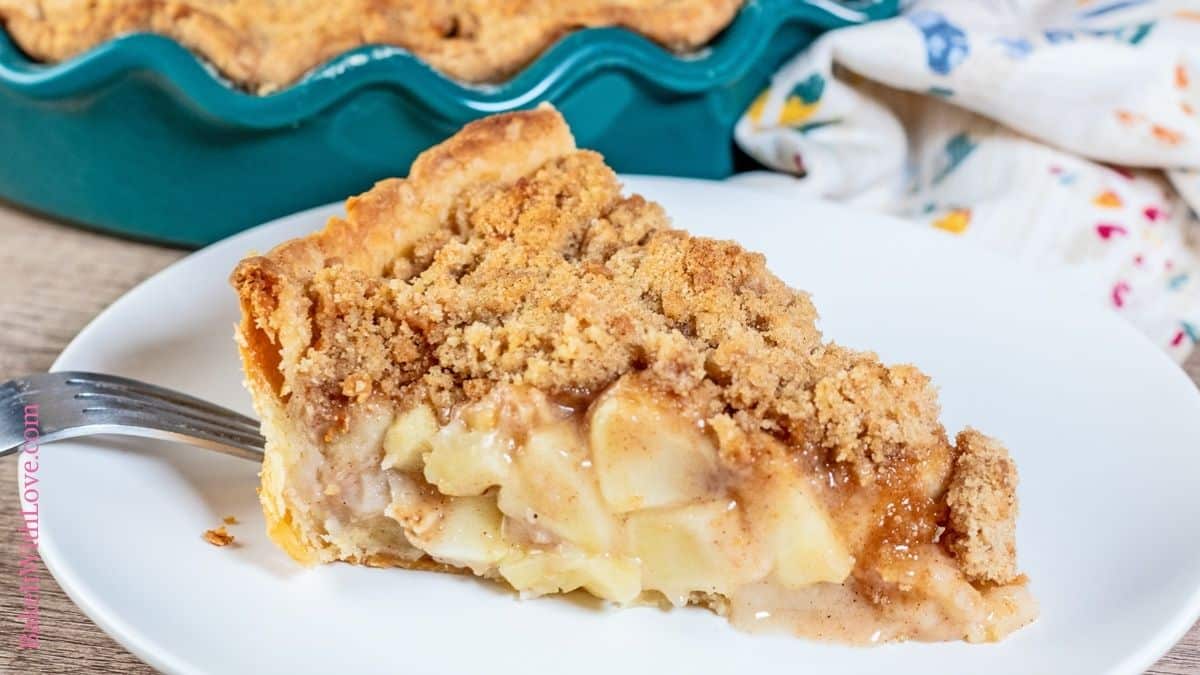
{"type": "Point", "coordinates": [265, 46]}
{"type": "Point", "coordinates": [501, 365]}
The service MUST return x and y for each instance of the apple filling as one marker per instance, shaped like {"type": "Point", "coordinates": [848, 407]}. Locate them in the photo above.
{"type": "Point", "coordinates": [635, 498]}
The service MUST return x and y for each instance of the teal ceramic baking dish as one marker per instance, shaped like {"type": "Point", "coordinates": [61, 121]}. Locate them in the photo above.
{"type": "Point", "coordinates": [139, 137]}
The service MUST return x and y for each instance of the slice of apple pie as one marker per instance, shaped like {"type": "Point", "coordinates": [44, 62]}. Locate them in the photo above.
{"type": "Point", "coordinates": [501, 365]}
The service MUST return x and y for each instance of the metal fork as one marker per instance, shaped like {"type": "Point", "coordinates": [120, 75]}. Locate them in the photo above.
{"type": "Point", "coordinates": [70, 404]}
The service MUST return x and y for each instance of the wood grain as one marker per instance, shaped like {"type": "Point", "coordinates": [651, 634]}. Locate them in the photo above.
{"type": "Point", "coordinates": [53, 280]}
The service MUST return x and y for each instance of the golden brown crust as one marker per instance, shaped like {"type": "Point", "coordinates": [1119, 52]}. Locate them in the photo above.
{"type": "Point", "coordinates": [714, 602]}
{"type": "Point", "coordinates": [509, 257]}
{"type": "Point", "coordinates": [983, 509]}
{"type": "Point", "coordinates": [381, 226]}
{"type": "Point", "coordinates": [265, 46]}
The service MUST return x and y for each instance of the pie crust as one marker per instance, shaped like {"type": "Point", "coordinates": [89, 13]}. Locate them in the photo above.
{"type": "Point", "coordinates": [265, 46]}
{"type": "Point", "coordinates": [501, 365]}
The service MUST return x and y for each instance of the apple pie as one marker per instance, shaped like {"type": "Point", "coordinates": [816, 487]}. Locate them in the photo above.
{"type": "Point", "coordinates": [265, 46]}
{"type": "Point", "coordinates": [502, 366]}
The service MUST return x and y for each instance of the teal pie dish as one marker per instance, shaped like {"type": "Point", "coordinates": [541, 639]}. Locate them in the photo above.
{"type": "Point", "coordinates": [139, 137]}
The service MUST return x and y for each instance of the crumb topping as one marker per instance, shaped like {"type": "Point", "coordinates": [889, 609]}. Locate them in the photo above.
{"type": "Point", "coordinates": [983, 509]}
{"type": "Point", "coordinates": [268, 45]}
{"type": "Point", "coordinates": [560, 283]}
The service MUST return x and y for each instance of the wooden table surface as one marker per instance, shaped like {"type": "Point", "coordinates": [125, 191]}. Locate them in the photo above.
{"type": "Point", "coordinates": [53, 280]}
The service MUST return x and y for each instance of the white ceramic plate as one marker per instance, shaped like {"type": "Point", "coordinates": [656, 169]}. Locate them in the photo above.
{"type": "Point", "coordinates": [1104, 428]}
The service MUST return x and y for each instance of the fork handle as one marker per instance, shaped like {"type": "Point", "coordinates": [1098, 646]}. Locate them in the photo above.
{"type": "Point", "coordinates": [230, 445]}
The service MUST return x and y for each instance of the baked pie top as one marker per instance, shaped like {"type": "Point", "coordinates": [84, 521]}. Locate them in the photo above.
{"type": "Point", "coordinates": [509, 268]}
{"type": "Point", "coordinates": [265, 46]}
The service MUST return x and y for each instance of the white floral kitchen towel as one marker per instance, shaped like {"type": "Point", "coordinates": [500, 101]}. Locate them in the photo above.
{"type": "Point", "coordinates": [1062, 132]}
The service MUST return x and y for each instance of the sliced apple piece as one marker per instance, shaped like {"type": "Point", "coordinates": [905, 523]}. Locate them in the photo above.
{"type": "Point", "coordinates": [542, 572]}
{"type": "Point", "coordinates": [802, 541]}
{"type": "Point", "coordinates": [808, 550]}
{"type": "Point", "coordinates": [407, 440]}
{"type": "Point", "coordinates": [466, 533]}
{"type": "Point", "coordinates": [700, 547]}
{"type": "Point", "coordinates": [552, 488]}
{"type": "Point", "coordinates": [465, 463]}
{"type": "Point", "coordinates": [647, 454]}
